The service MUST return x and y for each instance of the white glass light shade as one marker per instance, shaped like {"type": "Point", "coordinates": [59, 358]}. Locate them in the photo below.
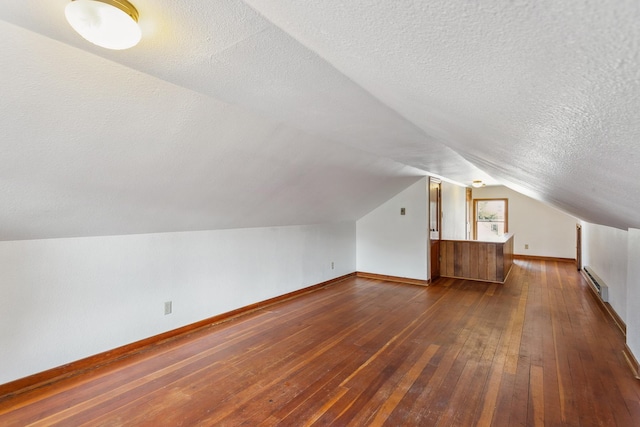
{"type": "Point", "coordinates": [112, 24]}
{"type": "Point", "coordinates": [477, 183]}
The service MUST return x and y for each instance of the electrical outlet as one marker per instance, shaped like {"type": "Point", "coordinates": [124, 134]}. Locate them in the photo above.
{"type": "Point", "coordinates": [403, 211]}
{"type": "Point", "coordinates": [167, 307]}
{"type": "Point", "coordinates": [526, 246]}
{"type": "Point", "coordinates": [332, 266]}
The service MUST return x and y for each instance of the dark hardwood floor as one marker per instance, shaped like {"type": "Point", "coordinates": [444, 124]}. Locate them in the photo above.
{"type": "Point", "coordinates": [535, 351]}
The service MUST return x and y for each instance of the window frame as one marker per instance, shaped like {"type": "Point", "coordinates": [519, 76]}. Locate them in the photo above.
{"type": "Point", "coordinates": [490, 199]}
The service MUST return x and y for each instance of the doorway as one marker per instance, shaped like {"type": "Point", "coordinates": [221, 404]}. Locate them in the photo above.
{"type": "Point", "coordinates": [469, 214]}
{"type": "Point", "coordinates": [579, 246]}
{"type": "Point", "coordinates": [435, 221]}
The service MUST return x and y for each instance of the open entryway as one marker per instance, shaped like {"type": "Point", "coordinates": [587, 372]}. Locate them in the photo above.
{"type": "Point", "coordinates": [435, 218]}
{"type": "Point", "coordinates": [579, 246]}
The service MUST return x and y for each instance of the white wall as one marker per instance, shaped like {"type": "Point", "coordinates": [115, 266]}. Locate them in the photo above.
{"type": "Point", "coordinates": [65, 299]}
{"type": "Point", "coordinates": [454, 207]}
{"type": "Point", "coordinates": [548, 231]}
{"type": "Point", "coordinates": [605, 250]}
{"type": "Point", "coordinates": [392, 244]}
{"type": "Point", "coordinates": [633, 292]}
{"type": "Point", "coordinates": [614, 255]}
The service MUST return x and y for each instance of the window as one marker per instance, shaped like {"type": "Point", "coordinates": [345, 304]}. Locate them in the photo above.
{"type": "Point", "coordinates": [491, 218]}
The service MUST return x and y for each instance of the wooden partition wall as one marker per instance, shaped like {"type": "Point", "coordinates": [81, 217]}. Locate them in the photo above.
{"type": "Point", "coordinates": [488, 261]}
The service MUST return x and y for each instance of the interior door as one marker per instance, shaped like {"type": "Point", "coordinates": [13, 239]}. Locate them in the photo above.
{"type": "Point", "coordinates": [435, 222]}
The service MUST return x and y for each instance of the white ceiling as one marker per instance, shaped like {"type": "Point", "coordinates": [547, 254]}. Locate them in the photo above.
{"type": "Point", "coordinates": [258, 113]}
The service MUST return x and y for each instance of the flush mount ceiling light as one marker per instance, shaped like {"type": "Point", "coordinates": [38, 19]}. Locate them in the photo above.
{"type": "Point", "coordinates": [477, 183]}
{"type": "Point", "coordinates": [112, 24]}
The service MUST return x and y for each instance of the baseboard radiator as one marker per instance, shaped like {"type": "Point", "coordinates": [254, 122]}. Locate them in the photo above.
{"type": "Point", "coordinates": [597, 284]}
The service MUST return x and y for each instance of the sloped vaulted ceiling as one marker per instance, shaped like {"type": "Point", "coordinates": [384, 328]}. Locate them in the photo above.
{"type": "Point", "coordinates": [542, 95]}
{"type": "Point", "coordinates": [257, 113]}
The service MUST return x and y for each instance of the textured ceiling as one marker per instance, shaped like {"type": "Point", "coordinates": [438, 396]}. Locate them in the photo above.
{"type": "Point", "coordinates": [257, 113]}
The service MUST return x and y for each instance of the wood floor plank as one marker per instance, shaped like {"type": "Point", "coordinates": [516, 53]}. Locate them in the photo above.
{"type": "Point", "coordinates": [403, 386]}
{"type": "Point", "coordinates": [536, 376]}
{"type": "Point", "coordinates": [536, 350]}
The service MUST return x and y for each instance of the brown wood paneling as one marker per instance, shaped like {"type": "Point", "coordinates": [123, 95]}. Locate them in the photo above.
{"type": "Point", "coordinates": [508, 257]}
{"type": "Point", "coordinates": [434, 250]}
{"type": "Point", "coordinates": [491, 262]}
{"type": "Point", "coordinates": [450, 258]}
{"type": "Point", "coordinates": [470, 259]}
{"type": "Point", "coordinates": [457, 259]}
{"type": "Point", "coordinates": [483, 262]}
{"type": "Point", "coordinates": [500, 260]}
{"type": "Point", "coordinates": [474, 268]}
{"type": "Point", "coordinates": [466, 259]}
{"type": "Point", "coordinates": [534, 351]}
{"type": "Point", "coordinates": [443, 258]}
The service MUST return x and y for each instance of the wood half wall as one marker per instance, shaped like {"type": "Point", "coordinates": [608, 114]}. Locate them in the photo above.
{"type": "Point", "coordinates": [476, 260]}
